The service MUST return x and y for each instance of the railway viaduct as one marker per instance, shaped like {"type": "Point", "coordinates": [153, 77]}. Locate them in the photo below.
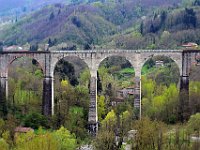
{"type": "Point", "coordinates": [48, 60]}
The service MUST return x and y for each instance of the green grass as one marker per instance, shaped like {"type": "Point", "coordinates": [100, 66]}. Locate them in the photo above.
{"type": "Point", "coordinates": [146, 70]}
{"type": "Point", "coordinates": [127, 71]}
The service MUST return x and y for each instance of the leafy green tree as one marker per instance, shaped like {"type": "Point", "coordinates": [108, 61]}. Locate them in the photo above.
{"type": "Point", "coordinates": [101, 107]}
{"type": "Point", "coordinates": [194, 94]}
{"type": "Point", "coordinates": [4, 145]}
{"type": "Point", "coordinates": [110, 121]}
{"type": "Point", "coordinates": [193, 124]}
{"type": "Point", "coordinates": [84, 78]}
{"type": "Point", "coordinates": [105, 140]}
{"type": "Point", "coordinates": [30, 141]}
{"type": "Point", "coordinates": [149, 135]}
{"type": "Point", "coordinates": [125, 125]}
{"type": "Point", "coordinates": [148, 88]}
{"type": "Point", "coordinates": [35, 120]}
{"type": "Point", "coordinates": [60, 139]}
{"type": "Point", "coordinates": [66, 140]}
{"type": "Point", "coordinates": [2, 126]}
{"type": "Point", "coordinates": [82, 97]}
{"type": "Point", "coordinates": [10, 124]}
{"type": "Point", "coordinates": [65, 71]}
{"type": "Point", "coordinates": [76, 122]}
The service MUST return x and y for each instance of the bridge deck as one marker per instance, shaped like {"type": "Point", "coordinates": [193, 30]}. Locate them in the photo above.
{"type": "Point", "coordinates": [101, 51]}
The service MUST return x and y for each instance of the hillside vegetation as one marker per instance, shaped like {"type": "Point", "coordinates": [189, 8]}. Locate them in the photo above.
{"type": "Point", "coordinates": [85, 25]}
{"type": "Point", "coordinates": [151, 24]}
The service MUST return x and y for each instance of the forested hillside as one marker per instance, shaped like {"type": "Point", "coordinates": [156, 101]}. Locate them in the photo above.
{"type": "Point", "coordinates": [90, 24]}
{"type": "Point", "coordinates": [165, 28]}
{"type": "Point", "coordinates": [18, 7]}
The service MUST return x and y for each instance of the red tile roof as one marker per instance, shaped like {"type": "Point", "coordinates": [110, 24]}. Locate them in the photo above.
{"type": "Point", "coordinates": [23, 129]}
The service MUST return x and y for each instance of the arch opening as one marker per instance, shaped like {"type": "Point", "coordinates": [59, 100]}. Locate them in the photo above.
{"type": "Point", "coordinates": [160, 89]}
{"type": "Point", "coordinates": [116, 87]}
{"type": "Point", "coordinates": [71, 95]}
{"type": "Point", "coordinates": [162, 69]}
{"type": "Point", "coordinates": [25, 85]}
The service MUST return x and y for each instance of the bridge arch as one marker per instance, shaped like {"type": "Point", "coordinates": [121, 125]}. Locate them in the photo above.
{"type": "Point", "coordinates": [177, 58]}
{"type": "Point", "coordinates": [58, 58]}
{"type": "Point", "coordinates": [26, 81]}
{"type": "Point", "coordinates": [164, 61]}
{"type": "Point", "coordinates": [37, 60]}
{"type": "Point", "coordinates": [76, 65]}
{"type": "Point", "coordinates": [34, 61]}
{"type": "Point", "coordinates": [116, 74]}
{"type": "Point", "coordinates": [68, 98]}
{"type": "Point", "coordinates": [75, 61]}
{"type": "Point", "coordinates": [129, 58]}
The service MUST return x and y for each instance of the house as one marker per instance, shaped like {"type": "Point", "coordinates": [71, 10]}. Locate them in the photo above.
{"type": "Point", "coordinates": [13, 48]}
{"type": "Point", "coordinates": [159, 63]}
{"type": "Point", "coordinates": [117, 101]}
{"type": "Point", "coordinates": [126, 92]}
{"type": "Point", "coordinates": [123, 94]}
{"type": "Point", "coordinates": [21, 130]}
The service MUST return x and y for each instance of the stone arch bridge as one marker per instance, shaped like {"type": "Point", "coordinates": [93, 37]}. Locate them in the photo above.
{"type": "Point", "coordinates": [48, 60]}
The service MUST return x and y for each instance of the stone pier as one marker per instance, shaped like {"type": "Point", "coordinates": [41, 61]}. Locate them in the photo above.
{"type": "Point", "coordinates": [93, 117]}
{"type": "Point", "coordinates": [3, 96]}
{"type": "Point", "coordinates": [47, 96]}
{"type": "Point", "coordinates": [137, 96]}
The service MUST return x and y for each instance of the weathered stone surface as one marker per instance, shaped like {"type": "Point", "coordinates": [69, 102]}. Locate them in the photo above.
{"type": "Point", "coordinates": [47, 96]}
{"type": "Point", "coordinates": [3, 96]}
{"type": "Point", "coordinates": [92, 116]}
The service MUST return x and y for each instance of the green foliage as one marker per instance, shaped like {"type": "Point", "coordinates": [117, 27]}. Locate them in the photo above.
{"type": "Point", "coordinates": [194, 94]}
{"type": "Point", "coordinates": [4, 145]}
{"type": "Point", "coordinates": [71, 107]}
{"type": "Point", "coordinates": [127, 71]}
{"type": "Point", "coordinates": [160, 102]}
{"type": "Point", "coordinates": [65, 71]}
{"type": "Point", "coordinates": [109, 123]}
{"type": "Point", "coordinates": [148, 88]}
{"type": "Point", "coordinates": [84, 78]}
{"type": "Point", "coordinates": [66, 140]}
{"type": "Point", "coordinates": [105, 140]}
{"type": "Point", "coordinates": [151, 135]}
{"type": "Point", "coordinates": [76, 122]}
{"type": "Point", "coordinates": [107, 81]}
{"type": "Point", "coordinates": [193, 124]}
{"type": "Point", "coordinates": [125, 123]}
{"type": "Point", "coordinates": [35, 120]}
{"type": "Point", "coordinates": [45, 142]}
{"type": "Point", "coordinates": [148, 134]}
{"type": "Point", "coordinates": [38, 73]}
{"type": "Point", "coordinates": [60, 139]}
{"type": "Point", "coordinates": [25, 87]}
{"type": "Point", "coordinates": [101, 107]}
